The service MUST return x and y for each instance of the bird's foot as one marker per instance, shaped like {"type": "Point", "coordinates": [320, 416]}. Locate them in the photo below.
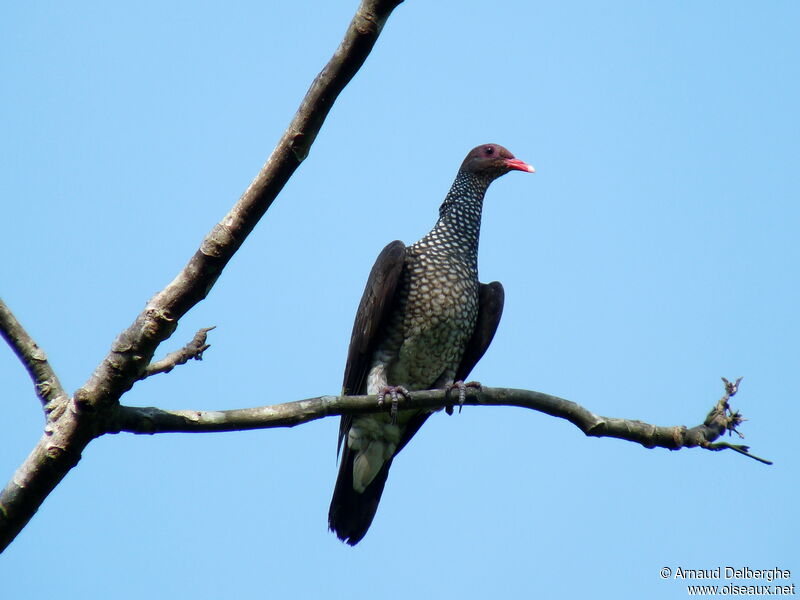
{"type": "Point", "coordinates": [462, 393]}
{"type": "Point", "coordinates": [394, 392]}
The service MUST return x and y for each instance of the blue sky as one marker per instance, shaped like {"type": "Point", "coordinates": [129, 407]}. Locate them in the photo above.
{"type": "Point", "coordinates": [655, 250]}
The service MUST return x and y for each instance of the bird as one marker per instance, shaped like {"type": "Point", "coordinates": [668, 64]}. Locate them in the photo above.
{"type": "Point", "coordinates": [423, 322]}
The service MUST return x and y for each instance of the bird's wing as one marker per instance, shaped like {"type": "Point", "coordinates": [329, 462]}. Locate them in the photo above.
{"type": "Point", "coordinates": [490, 309]}
{"type": "Point", "coordinates": [373, 310]}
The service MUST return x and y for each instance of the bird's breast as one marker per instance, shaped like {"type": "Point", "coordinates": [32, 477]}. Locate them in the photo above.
{"type": "Point", "coordinates": [438, 310]}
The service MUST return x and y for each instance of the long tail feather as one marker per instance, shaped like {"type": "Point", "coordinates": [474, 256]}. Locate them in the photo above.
{"type": "Point", "coordinates": [351, 513]}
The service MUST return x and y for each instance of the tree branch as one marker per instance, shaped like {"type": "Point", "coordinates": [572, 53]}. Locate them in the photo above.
{"type": "Point", "coordinates": [154, 420]}
{"type": "Point", "coordinates": [193, 350]}
{"type": "Point", "coordinates": [45, 381]}
{"type": "Point", "coordinates": [84, 416]}
{"type": "Point", "coordinates": [57, 451]}
{"type": "Point", "coordinates": [133, 349]}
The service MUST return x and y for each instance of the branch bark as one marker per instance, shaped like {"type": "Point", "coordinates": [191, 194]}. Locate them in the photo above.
{"type": "Point", "coordinates": [73, 422]}
{"type": "Point", "coordinates": [721, 418]}
{"type": "Point", "coordinates": [59, 448]}
{"type": "Point", "coordinates": [45, 381]}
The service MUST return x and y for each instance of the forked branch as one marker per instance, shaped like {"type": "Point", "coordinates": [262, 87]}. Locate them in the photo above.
{"type": "Point", "coordinates": [79, 419]}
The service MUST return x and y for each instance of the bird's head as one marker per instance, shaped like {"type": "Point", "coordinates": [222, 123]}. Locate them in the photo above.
{"type": "Point", "coordinates": [493, 160]}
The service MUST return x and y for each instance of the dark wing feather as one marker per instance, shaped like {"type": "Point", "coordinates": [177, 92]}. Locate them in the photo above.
{"type": "Point", "coordinates": [490, 308]}
{"type": "Point", "coordinates": [351, 513]}
{"type": "Point", "coordinates": [372, 312]}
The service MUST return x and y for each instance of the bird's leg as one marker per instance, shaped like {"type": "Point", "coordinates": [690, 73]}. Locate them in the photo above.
{"type": "Point", "coordinates": [462, 393]}
{"type": "Point", "coordinates": [393, 391]}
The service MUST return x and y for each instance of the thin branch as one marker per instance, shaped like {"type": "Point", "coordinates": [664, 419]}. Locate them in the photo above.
{"type": "Point", "coordinates": [193, 350]}
{"type": "Point", "coordinates": [84, 416]}
{"type": "Point", "coordinates": [45, 381]}
{"type": "Point", "coordinates": [745, 450]}
{"type": "Point", "coordinates": [134, 348]}
{"type": "Point", "coordinates": [155, 420]}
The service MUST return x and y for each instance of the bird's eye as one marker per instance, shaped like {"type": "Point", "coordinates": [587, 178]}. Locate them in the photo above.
{"type": "Point", "coordinates": [489, 150]}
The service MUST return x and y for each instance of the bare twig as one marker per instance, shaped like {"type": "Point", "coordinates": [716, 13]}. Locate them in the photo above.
{"type": "Point", "coordinates": [45, 380]}
{"type": "Point", "coordinates": [289, 414]}
{"type": "Point", "coordinates": [736, 448]}
{"type": "Point", "coordinates": [193, 350]}
{"type": "Point", "coordinates": [723, 418]}
{"type": "Point", "coordinates": [93, 404]}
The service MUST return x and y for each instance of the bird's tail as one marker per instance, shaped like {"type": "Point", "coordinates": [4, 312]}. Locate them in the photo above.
{"type": "Point", "coordinates": [351, 512]}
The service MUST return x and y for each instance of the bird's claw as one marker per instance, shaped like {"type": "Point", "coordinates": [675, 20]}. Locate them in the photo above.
{"type": "Point", "coordinates": [462, 393]}
{"type": "Point", "coordinates": [393, 391]}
